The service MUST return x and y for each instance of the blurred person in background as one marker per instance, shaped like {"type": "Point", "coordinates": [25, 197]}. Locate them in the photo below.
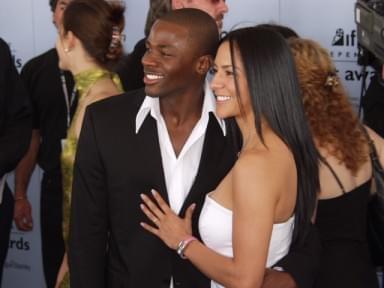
{"type": "Point", "coordinates": [54, 100]}
{"type": "Point", "coordinates": [373, 102]}
{"type": "Point", "coordinates": [15, 135]}
{"type": "Point", "coordinates": [89, 44]}
{"type": "Point", "coordinates": [345, 172]}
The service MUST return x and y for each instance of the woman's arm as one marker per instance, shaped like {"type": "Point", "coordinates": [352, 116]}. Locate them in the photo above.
{"type": "Point", "coordinates": [255, 199]}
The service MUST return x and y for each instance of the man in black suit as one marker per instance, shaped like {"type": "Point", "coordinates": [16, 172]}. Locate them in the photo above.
{"type": "Point", "coordinates": [167, 138]}
{"type": "Point", "coordinates": [15, 134]}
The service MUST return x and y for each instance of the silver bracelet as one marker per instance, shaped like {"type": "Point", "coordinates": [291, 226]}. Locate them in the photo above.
{"type": "Point", "coordinates": [183, 245]}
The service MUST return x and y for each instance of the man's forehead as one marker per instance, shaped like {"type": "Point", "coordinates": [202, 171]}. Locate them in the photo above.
{"type": "Point", "coordinates": [175, 30]}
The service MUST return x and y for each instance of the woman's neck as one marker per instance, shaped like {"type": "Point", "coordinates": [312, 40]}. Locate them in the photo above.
{"type": "Point", "coordinates": [250, 137]}
{"type": "Point", "coordinates": [80, 67]}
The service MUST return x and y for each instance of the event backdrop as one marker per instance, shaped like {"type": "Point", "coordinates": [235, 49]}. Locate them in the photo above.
{"type": "Point", "coordinates": [27, 26]}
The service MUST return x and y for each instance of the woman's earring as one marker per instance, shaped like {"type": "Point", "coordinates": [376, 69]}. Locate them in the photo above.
{"type": "Point", "coordinates": [66, 50]}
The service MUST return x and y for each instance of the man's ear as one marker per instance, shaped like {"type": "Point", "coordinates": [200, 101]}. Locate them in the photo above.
{"type": "Point", "coordinates": [177, 4]}
{"type": "Point", "coordinates": [203, 65]}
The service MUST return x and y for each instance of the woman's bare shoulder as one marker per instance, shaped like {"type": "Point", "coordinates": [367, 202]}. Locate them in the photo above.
{"type": "Point", "coordinates": [262, 170]}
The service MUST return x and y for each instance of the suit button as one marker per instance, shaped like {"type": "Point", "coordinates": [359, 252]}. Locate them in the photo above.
{"type": "Point", "coordinates": [177, 283]}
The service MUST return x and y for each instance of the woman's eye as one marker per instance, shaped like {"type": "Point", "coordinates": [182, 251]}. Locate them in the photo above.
{"type": "Point", "coordinates": [212, 71]}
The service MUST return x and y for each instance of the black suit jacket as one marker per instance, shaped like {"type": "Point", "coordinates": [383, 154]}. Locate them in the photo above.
{"type": "Point", "coordinates": [108, 247]}
{"type": "Point", "coordinates": [15, 114]}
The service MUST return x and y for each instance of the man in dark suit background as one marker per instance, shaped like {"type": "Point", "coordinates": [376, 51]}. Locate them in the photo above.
{"type": "Point", "coordinates": [54, 101]}
{"type": "Point", "coordinates": [169, 140]}
{"type": "Point", "coordinates": [373, 102]}
{"type": "Point", "coordinates": [15, 134]}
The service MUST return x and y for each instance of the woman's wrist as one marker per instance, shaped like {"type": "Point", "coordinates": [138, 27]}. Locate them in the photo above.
{"type": "Point", "coordinates": [183, 244]}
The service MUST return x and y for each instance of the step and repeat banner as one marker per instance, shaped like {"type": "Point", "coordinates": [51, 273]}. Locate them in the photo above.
{"type": "Point", "coordinates": [26, 25]}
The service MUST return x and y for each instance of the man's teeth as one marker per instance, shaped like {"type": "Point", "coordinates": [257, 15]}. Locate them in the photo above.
{"type": "Point", "coordinates": [223, 98]}
{"type": "Point", "coordinates": [153, 76]}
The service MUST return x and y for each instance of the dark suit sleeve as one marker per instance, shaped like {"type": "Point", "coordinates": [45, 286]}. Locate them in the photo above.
{"type": "Point", "coordinates": [15, 114]}
{"type": "Point", "coordinates": [373, 105]}
{"type": "Point", "coordinates": [88, 223]}
{"type": "Point", "coordinates": [303, 260]}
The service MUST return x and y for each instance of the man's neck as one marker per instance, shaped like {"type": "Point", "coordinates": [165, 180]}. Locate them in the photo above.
{"type": "Point", "coordinates": [183, 108]}
{"type": "Point", "coordinates": [181, 115]}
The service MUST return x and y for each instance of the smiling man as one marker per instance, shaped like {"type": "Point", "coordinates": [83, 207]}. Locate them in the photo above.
{"type": "Point", "coordinates": [130, 69]}
{"type": "Point", "coordinates": [162, 138]}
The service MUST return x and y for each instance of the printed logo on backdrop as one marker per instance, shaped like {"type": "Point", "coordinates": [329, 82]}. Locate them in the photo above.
{"type": "Point", "coordinates": [17, 60]}
{"type": "Point", "coordinates": [344, 45]}
{"type": "Point", "coordinates": [18, 242]}
{"type": "Point", "coordinates": [344, 50]}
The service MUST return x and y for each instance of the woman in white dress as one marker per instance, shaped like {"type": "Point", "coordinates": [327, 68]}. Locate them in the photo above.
{"type": "Point", "coordinates": [266, 200]}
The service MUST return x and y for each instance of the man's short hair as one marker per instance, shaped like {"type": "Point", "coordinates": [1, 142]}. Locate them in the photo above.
{"type": "Point", "coordinates": [201, 26]}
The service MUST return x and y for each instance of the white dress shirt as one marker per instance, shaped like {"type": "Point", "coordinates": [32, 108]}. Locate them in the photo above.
{"type": "Point", "coordinates": [180, 172]}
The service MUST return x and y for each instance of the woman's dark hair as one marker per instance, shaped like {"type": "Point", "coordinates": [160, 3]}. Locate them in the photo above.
{"type": "Point", "coordinates": [284, 31]}
{"type": "Point", "coordinates": [275, 93]}
{"type": "Point", "coordinates": [98, 25]}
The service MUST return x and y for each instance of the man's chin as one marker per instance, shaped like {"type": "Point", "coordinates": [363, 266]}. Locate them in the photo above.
{"type": "Point", "coordinates": [149, 92]}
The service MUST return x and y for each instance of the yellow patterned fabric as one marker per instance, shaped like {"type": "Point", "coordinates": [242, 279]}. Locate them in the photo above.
{"type": "Point", "coordinates": [84, 82]}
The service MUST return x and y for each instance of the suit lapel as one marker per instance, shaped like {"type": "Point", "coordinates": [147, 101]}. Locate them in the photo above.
{"type": "Point", "coordinates": [216, 160]}
{"type": "Point", "coordinates": [148, 146]}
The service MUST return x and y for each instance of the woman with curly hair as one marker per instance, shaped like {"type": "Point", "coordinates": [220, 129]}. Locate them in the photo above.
{"type": "Point", "coordinates": [345, 173]}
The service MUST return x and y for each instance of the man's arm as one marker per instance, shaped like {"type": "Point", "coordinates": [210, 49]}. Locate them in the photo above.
{"type": "Point", "coordinates": [300, 266]}
{"type": "Point", "coordinates": [89, 218]}
{"type": "Point", "coordinates": [23, 210]}
{"type": "Point", "coordinates": [15, 130]}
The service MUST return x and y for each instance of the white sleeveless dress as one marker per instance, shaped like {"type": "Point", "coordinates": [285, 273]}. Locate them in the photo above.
{"type": "Point", "coordinates": [215, 226]}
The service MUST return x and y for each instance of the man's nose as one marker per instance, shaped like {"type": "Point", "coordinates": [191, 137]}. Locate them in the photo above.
{"type": "Point", "coordinates": [148, 59]}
